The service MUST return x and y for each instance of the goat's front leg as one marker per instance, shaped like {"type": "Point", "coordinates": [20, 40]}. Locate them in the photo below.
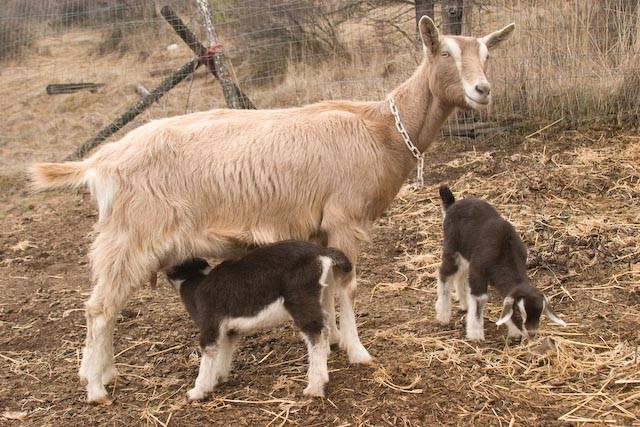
{"type": "Point", "coordinates": [215, 366]}
{"type": "Point", "coordinates": [345, 286]}
{"type": "Point", "coordinates": [349, 339]}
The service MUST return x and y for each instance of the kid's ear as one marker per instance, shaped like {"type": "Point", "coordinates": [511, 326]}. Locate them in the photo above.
{"type": "Point", "coordinates": [548, 311]}
{"type": "Point", "coordinates": [507, 311]}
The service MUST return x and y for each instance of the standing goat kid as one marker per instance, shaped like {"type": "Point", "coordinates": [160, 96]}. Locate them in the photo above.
{"type": "Point", "coordinates": [272, 284]}
{"type": "Point", "coordinates": [214, 182]}
{"type": "Point", "coordinates": [479, 248]}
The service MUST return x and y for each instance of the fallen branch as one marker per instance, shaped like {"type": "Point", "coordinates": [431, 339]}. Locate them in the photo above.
{"type": "Point", "coordinates": [55, 89]}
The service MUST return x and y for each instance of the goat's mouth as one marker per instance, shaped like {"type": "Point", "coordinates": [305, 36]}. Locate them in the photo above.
{"type": "Point", "coordinates": [477, 103]}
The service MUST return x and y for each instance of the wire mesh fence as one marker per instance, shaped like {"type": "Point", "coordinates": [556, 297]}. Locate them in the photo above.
{"type": "Point", "coordinates": [571, 61]}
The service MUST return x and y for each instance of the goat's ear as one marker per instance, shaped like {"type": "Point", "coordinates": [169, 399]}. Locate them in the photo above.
{"type": "Point", "coordinates": [430, 35]}
{"type": "Point", "coordinates": [494, 39]}
{"type": "Point", "coordinates": [507, 311]}
{"type": "Point", "coordinates": [548, 311]}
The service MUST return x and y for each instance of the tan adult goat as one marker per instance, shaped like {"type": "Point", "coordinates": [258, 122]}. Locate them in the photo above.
{"type": "Point", "coordinates": [211, 183]}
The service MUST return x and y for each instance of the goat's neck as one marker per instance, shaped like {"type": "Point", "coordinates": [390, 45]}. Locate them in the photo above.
{"type": "Point", "coordinates": [421, 113]}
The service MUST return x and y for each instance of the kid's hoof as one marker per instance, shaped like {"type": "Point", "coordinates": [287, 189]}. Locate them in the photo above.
{"type": "Point", "coordinates": [314, 391]}
{"type": "Point", "coordinates": [194, 395]}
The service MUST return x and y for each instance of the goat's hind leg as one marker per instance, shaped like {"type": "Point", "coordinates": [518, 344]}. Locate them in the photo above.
{"type": "Point", "coordinates": [446, 274]}
{"type": "Point", "coordinates": [461, 281]}
{"type": "Point", "coordinates": [116, 274]}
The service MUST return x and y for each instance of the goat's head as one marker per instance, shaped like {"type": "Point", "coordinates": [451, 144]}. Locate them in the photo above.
{"type": "Point", "coordinates": [457, 65]}
{"type": "Point", "coordinates": [531, 304]}
{"type": "Point", "coordinates": [188, 270]}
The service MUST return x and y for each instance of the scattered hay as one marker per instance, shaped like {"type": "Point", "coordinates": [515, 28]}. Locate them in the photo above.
{"type": "Point", "coordinates": [573, 199]}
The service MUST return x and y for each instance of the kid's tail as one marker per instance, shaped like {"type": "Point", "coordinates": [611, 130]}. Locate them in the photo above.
{"type": "Point", "coordinates": [340, 260]}
{"type": "Point", "coordinates": [52, 175]}
{"type": "Point", "coordinates": [447, 196]}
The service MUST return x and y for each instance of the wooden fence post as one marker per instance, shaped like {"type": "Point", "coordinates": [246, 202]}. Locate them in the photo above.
{"type": "Point", "coordinates": [229, 89]}
{"type": "Point", "coordinates": [452, 16]}
{"type": "Point", "coordinates": [237, 97]}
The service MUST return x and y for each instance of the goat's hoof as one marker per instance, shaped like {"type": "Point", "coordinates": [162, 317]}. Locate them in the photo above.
{"type": "Point", "coordinates": [109, 375]}
{"type": "Point", "coordinates": [314, 390]}
{"type": "Point", "coordinates": [83, 381]}
{"type": "Point", "coordinates": [99, 397]}
{"type": "Point", "coordinates": [223, 378]}
{"type": "Point", "coordinates": [443, 318]}
{"type": "Point", "coordinates": [360, 356]}
{"type": "Point", "coordinates": [105, 401]}
{"type": "Point", "coordinates": [194, 395]}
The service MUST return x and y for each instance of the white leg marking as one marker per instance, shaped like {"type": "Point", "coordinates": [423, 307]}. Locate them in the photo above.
{"type": "Point", "coordinates": [224, 358]}
{"type": "Point", "coordinates": [460, 281]}
{"type": "Point", "coordinates": [96, 358]}
{"type": "Point", "coordinates": [349, 338]}
{"type": "Point", "coordinates": [443, 303]}
{"type": "Point", "coordinates": [207, 375]}
{"type": "Point", "coordinates": [475, 319]}
{"type": "Point", "coordinates": [318, 372]}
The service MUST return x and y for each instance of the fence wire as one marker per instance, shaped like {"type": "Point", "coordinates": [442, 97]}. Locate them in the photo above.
{"type": "Point", "coordinates": [572, 61]}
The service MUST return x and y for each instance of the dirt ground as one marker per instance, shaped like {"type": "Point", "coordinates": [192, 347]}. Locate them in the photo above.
{"type": "Point", "coordinates": [574, 198]}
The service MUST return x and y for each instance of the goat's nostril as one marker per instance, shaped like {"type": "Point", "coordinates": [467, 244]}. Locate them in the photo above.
{"type": "Point", "coordinates": [483, 89]}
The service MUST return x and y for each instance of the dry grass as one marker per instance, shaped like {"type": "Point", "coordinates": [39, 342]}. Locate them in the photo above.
{"type": "Point", "coordinates": [574, 199]}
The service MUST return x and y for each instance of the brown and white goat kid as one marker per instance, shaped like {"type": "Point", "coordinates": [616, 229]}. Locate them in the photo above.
{"type": "Point", "coordinates": [268, 286]}
{"type": "Point", "coordinates": [480, 247]}
{"type": "Point", "coordinates": [212, 183]}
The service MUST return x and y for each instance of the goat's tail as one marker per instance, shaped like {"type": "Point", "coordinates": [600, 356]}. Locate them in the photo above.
{"type": "Point", "coordinates": [339, 260]}
{"type": "Point", "coordinates": [52, 175]}
{"type": "Point", "coordinates": [446, 196]}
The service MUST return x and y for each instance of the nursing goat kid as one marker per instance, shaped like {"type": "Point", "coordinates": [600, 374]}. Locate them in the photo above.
{"type": "Point", "coordinates": [480, 247]}
{"type": "Point", "coordinates": [270, 285]}
{"type": "Point", "coordinates": [212, 183]}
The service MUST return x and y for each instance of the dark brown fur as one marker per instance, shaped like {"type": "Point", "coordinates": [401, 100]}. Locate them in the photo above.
{"type": "Point", "coordinates": [494, 250]}
{"type": "Point", "coordinates": [242, 288]}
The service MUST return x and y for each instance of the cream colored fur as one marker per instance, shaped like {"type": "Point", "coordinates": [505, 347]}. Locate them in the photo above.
{"type": "Point", "coordinates": [210, 183]}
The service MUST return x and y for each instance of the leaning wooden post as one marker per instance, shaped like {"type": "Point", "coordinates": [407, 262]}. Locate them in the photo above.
{"type": "Point", "coordinates": [144, 103]}
{"type": "Point", "coordinates": [207, 55]}
{"type": "Point", "coordinates": [452, 16]}
{"type": "Point", "coordinates": [229, 89]}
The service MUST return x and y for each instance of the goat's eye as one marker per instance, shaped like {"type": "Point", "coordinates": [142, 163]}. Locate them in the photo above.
{"type": "Point", "coordinates": [445, 54]}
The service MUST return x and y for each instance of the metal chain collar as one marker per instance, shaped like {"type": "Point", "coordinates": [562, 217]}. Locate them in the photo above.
{"type": "Point", "coordinates": [407, 141]}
